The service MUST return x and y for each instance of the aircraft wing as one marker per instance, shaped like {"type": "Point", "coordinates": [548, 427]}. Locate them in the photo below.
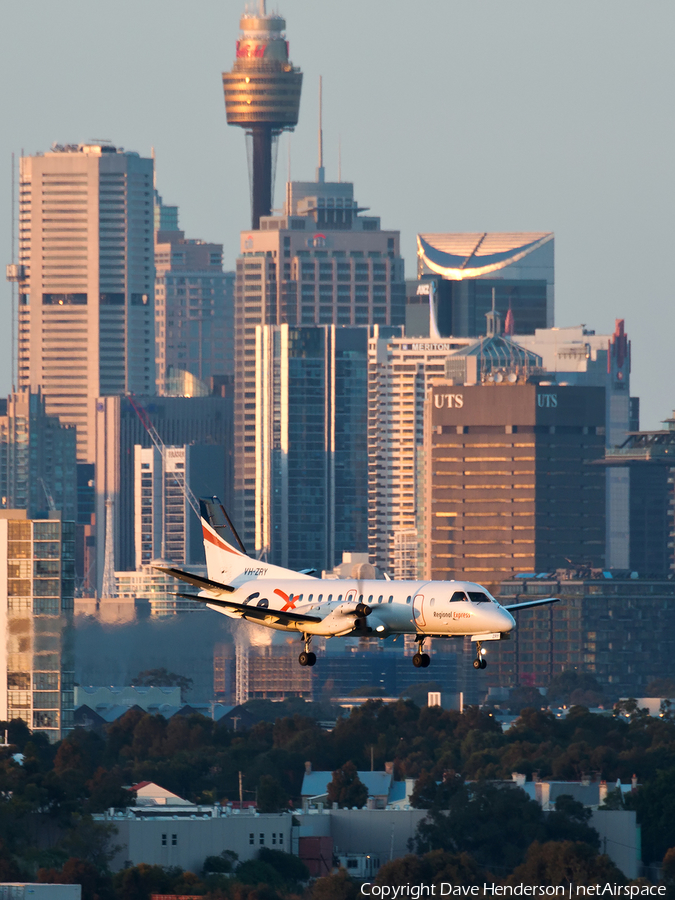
{"type": "Point", "coordinates": [263, 614]}
{"type": "Point", "coordinates": [528, 604]}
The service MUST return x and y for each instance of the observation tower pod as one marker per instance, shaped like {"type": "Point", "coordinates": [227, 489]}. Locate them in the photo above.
{"type": "Point", "coordinates": [262, 95]}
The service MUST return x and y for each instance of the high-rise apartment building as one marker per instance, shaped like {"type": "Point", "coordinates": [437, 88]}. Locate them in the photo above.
{"type": "Point", "coordinates": [36, 609]}
{"type": "Point", "coordinates": [510, 483]}
{"type": "Point", "coordinates": [86, 270]}
{"type": "Point", "coordinates": [178, 421]}
{"type": "Point", "coordinates": [461, 272]}
{"type": "Point", "coordinates": [38, 458]}
{"type": "Point", "coordinates": [194, 309]}
{"type": "Point", "coordinates": [400, 370]}
{"type": "Point", "coordinates": [311, 444]}
{"type": "Point", "coordinates": [165, 526]}
{"type": "Point", "coordinates": [320, 263]}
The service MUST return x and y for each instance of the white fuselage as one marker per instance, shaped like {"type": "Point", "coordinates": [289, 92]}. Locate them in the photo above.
{"type": "Point", "coordinates": [443, 608]}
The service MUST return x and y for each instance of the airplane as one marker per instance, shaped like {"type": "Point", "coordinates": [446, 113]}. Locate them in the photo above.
{"type": "Point", "coordinates": [241, 587]}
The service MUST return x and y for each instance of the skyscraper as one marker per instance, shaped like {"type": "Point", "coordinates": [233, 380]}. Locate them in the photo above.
{"type": "Point", "coordinates": [38, 468]}
{"type": "Point", "coordinates": [464, 271]}
{"type": "Point", "coordinates": [194, 309]}
{"type": "Point", "coordinates": [262, 95]}
{"type": "Point", "coordinates": [86, 323]}
{"type": "Point", "coordinates": [311, 444]}
{"type": "Point", "coordinates": [319, 263]}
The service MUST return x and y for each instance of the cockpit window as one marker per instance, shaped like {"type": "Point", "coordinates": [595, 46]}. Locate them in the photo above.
{"type": "Point", "coordinates": [458, 596]}
{"type": "Point", "coordinates": [478, 597]}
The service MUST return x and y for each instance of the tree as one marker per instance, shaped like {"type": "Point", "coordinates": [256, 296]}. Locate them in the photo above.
{"type": "Point", "coordinates": [346, 788]}
{"type": "Point", "coordinates": [419, 693]}
{"type": "Point", "coordinates": [565, 862]}
{"type": "Point", "coordinates": [272, 797]}
{"type": "Point", "coordinates": [424, 792]}
{"type": "Point", "coordinates": [569, 822]}
{"type": "Point", "coordinates": [223, 863]}
{"type": "Point", "coordinates": [95, 884]}
{"type": "Point", "coordinates": [334, 887]}
{"type": "Point", "coordinates": [290, 868]}
{"type": "Point", "coordinates": [163, 678]}
{"type": "Point", "coordinates": [565, 684]}
{"type": "Point", "coordinates": [661, 687]}
{"type": "Point", "coordinates": [436, 867]}
{"type": "Point", "coordinates": [525, 697]}
{"type": "Point", "coordinates": [668, 868]}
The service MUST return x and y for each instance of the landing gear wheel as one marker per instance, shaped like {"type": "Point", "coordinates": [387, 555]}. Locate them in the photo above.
{"type": "Point", "coordinates": [418, 660]}
{"type": "Point", "coordinates": [426, 660]}
{"type": "Point", "coordinates": [483, 663]}
{"type": "Point", "coordinates": [311, 659]}
{"type": "Point", "coordinates": [477, 663]}
{"type": "Point", "coordinates": [303, 659]}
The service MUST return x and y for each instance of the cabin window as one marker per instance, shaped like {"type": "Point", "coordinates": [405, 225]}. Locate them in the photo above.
{"type": "Point", "coordinates": [370, 599]}
{"type": "Point", "coordinates": [319, 598]}
{"type": "Point", "coordinates": [432, 601]}
{"type": "Point", "coordinates": [380, 598]}
{"type": "Point", "coordinates": [408, 599]}
{"type": "Point", "coordinates": [339, 599]}
{"type": "Point", "coordinates": [309, 599]}
{"type": "Point", "coordinates": [391, 599]}
{"type": "Point", "coordinates": [298, 599]}
{"type": "Point", "coordinates": [458, 596]}
{"type": "Point", "coordinates": [330, 598]}
{"type": "Point", "coordinates": [478, 597]}
{"type": "Point", "coordinates": [360, 598]}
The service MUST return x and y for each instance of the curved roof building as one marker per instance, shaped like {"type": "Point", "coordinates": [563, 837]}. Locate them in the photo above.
{"type": "Point", "coordinates": [467, 266]}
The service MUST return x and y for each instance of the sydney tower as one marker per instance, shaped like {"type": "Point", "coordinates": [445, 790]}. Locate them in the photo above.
{"type": "Point", "coordinates": [262, 95]}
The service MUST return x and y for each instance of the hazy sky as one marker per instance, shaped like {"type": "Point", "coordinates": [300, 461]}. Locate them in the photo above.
{"type": "Point", "coordinates": [488, 115]}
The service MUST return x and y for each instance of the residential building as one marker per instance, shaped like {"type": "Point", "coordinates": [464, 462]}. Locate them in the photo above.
{"type": "Point", "coordinates": [311, 447]}
{"type": "Point", "coordinates": [38, 457]}
{"type": "Point", "coordinates": [509, 483]}
{"type": "Point", "coordinates": [178, 421]}
{"type": "Point", "coordinates": [165, 525]}
{"type": "Point", "coordinates": [400, 370]}
{"type": "Point", "coordinates": [36, 611]}
{"type": "Point", "coordinates": [621, 630]}
{"type": "Point", "coordinates": [319, 263]}
{"type": "Point", "coordinates": [461, 274]}
{"type": "Point", "coordinates": [86, 280]}
{"type": "Point", "coordinates": [194, 308]}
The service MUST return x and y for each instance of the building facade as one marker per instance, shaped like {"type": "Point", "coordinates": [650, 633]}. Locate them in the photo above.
{"type": "Point", "coordinates": [400, 371]}
{"type": "Point", "coordinates": [194, 309]}
{"type": "Point", "coordinates": [36, 610]}
{"type": "Point", "coordinates": [38, 458]}
{"type": "Point", "coordinates": [311, 471]}
{"type": "Point", "coordinates": [178, 421]}
{"type": "Point", "coordinates": [320, 263]}
{"type": "Point", "coordinates": [86, 283]}
{"type": "Point", "coordinates": [463, 272]}
{"type": "Point", "coordinates": [165, 526]}
{"type": "Point", "coordinates": [620, 630]}
{"type": "Point", "coordinates": [510, 482]}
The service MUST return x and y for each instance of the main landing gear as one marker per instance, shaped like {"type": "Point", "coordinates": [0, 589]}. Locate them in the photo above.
{"type": "Point", "coordinates": [479, 662]}
{"type": "Point", "coordinates": [307, 658]}
{"type": "Point", "coordinates": [421, 660]}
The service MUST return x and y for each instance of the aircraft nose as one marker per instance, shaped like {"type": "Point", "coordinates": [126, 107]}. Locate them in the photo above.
{"type": "Point", "coordinates": [507, 622]}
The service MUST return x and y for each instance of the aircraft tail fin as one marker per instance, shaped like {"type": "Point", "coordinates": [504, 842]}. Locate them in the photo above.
{"type": "Point", "coordinates": [226, 558]}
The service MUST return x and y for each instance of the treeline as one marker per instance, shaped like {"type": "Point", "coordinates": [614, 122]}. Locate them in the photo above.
{"type": "Point", "coordinates": [53, 789]}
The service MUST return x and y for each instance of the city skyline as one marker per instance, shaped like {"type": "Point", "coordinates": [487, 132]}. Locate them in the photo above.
{"type": "Point", "coordinates": [573, 141]}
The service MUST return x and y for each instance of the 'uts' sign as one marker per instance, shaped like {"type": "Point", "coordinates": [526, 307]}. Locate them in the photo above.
{"type": "Point", "coordinates": [448, 401]}
{"type": "Point", "coordinates": [548, 401]}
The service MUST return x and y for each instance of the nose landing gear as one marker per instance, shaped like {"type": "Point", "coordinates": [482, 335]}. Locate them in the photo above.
{"type": "Point", "coordinates": [307, 658]}
{"type": "Point", "coordinates": [421, 660]}
{"type": "Point", "coordinates": [479, 662]}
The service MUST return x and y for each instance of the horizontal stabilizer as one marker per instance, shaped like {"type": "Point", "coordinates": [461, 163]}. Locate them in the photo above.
{"type": "Point", "coordinates": [257, 613]}
{"type": "Point", "coordinates": [204, 583]}
{"type": "Point", "coordinates": [529, 604]}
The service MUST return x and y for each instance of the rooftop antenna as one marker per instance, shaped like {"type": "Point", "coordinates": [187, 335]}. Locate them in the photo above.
{"type": "Point", "coordinates": [340, 158]}
{"type": "Point", "coordinates": [263, 8]}
{"type": "Point", "coordinates": [320, 172]}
